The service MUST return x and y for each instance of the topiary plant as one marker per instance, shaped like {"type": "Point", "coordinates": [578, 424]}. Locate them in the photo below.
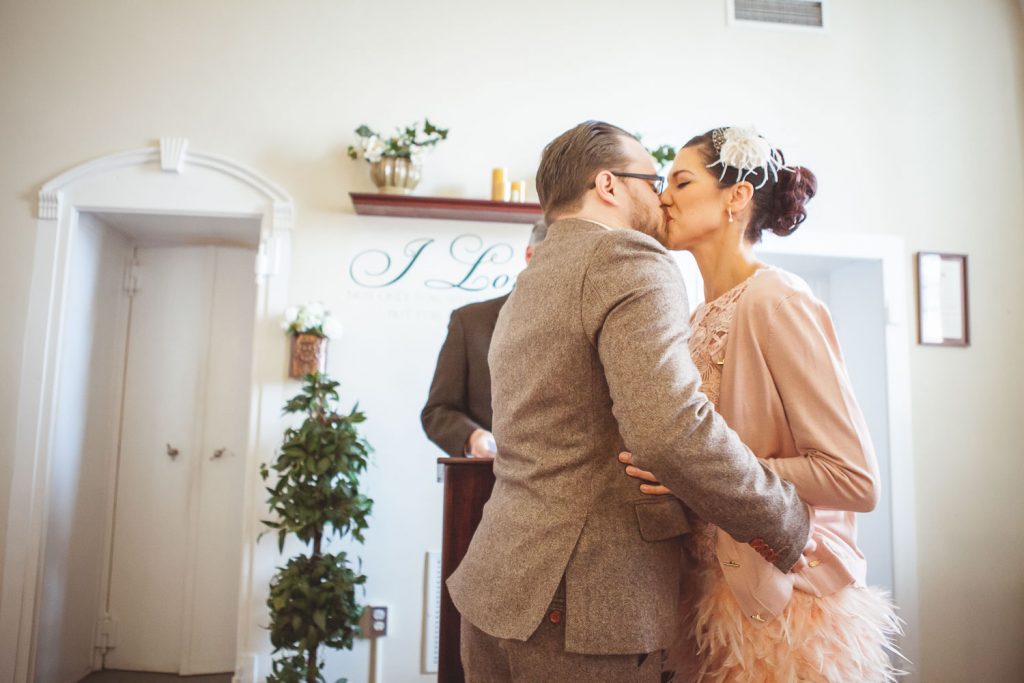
{"type": "Point", "coordinates": [316, 495]}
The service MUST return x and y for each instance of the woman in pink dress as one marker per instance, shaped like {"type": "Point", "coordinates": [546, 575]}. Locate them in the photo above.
{"type": "Point", "coordinates": [770, 362]}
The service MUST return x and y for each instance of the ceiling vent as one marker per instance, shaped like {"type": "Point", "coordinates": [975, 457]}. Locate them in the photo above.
{"type": "Point", "coordinates": [807, 14]}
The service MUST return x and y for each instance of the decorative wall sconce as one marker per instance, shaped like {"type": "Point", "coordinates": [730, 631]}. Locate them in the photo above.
{"type": "Point", "coordinates": [310, 327]}
{"type": "Point", "coordinates": [309, 355]}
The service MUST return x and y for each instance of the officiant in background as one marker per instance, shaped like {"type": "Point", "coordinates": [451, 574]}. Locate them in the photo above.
{"type": "Point", "coordinates": [457, 416]}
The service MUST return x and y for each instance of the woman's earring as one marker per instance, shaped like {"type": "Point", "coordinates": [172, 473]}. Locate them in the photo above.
{"type": "Point", "coordinates": [730, 215]}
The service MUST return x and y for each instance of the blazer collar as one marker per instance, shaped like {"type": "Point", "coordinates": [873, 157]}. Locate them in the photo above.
{"type": "Point", "coordinates": [579, 225]}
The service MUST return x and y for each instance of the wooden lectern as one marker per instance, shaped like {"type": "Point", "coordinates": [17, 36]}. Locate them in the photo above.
{"type": "Point", "coordinates": [467, 486]}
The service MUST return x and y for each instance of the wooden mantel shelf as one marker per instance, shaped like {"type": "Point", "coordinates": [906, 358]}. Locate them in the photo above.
{"type": "Point", "coordinates": [411, 206]}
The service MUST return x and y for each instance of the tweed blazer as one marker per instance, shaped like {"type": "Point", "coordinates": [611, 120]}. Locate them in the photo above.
{"type": "Point", "coordinates": [460, 394]}
{"type": "Point", "coordinates": [786, 392]}
{"type": "Point", "coordinates": [589, 357]}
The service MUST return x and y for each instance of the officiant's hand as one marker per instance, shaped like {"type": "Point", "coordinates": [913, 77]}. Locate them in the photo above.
{"type": "Point", "coordinates": [480, 444]}
{"type": "Point", "coordinates": [654, 488]}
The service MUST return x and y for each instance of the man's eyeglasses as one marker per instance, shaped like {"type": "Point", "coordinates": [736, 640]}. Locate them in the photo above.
{"type": "Point", "coordinates": [657, 181]}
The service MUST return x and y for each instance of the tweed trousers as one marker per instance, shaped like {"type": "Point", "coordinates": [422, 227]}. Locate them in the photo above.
{"type": "Point", "coordinates": [541, 660]}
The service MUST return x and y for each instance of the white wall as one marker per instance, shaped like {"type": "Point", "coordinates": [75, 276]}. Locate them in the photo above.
{"type": "Point", "coordinates": [909, 112]}
{"type": "Point", "coordinates": [86, 440]}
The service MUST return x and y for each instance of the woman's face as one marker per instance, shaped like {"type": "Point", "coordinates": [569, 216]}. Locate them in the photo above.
{"type": "Point", "coordinates": [695, 206]}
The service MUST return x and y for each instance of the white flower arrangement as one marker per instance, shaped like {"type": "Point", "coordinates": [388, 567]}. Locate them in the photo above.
{"type": "Point", "coordinates": [411, 142]}
{"type": "Point", "coordinates": [311, 318]}
{"type": "Point", "coordinates": [744, 149]}
{"type": "Point", "coordinates": [372, 148]}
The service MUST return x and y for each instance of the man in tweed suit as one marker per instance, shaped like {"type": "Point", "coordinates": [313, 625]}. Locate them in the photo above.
{"type": "Point", "coordinates": [457, 416]}
{"type": "Point", "coordinates": [573, 574]}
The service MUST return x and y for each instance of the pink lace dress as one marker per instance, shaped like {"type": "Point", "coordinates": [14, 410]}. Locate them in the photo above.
{"type": "Point", "coordinates": [839, 638]}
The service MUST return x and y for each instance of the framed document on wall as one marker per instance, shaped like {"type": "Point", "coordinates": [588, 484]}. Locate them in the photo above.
{"type": "Point", "coordinates": [942, 299]}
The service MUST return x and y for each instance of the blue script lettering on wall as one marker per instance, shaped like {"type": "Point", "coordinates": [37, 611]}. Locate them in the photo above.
{"type": "Point", "coordinates": [367, 262]}
{"type": "Point", "coordinates": [470, 259]}
{"type": "Point", "coordinates": [464, 250]}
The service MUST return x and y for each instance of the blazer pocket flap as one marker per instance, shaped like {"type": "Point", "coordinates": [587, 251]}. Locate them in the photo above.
{"type": "Point", "coordinates": [661, 519]}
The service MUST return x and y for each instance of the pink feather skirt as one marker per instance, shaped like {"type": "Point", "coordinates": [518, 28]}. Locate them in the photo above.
{"type": "Point", "coordinates": [847, 637]}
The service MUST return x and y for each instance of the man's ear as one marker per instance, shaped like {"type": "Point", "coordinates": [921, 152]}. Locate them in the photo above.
{"type": "Point", "coordinates": [529, 253]}
{"type": "Point", "coordinates": [604, 184]}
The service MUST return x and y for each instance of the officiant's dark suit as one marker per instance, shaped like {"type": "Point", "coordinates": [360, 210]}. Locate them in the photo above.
{"type": "Point", "coordinates": [460, 394]}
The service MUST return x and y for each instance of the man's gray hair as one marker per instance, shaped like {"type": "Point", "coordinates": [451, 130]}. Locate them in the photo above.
{"type": "Point", "coordinates": [539, 232]}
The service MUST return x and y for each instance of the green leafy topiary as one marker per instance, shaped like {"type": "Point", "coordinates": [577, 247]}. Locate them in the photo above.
{"type": "Point", "coordinates": [312, 598]}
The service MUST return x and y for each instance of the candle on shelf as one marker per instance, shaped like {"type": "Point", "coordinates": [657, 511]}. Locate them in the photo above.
{"type": "Point", "coordinates": [518, 191]}
{"type": "Point", "coordinates": [499, 186]}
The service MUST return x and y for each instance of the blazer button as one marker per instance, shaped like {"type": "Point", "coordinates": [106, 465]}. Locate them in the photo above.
{"type": "Point", "coordinates": [555, 617]}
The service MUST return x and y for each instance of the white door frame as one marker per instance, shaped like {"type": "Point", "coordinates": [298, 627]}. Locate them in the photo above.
{"type": "Point", "coordinates": [891, 253]}
{"type": "Point", "coordinates": [165, 180]}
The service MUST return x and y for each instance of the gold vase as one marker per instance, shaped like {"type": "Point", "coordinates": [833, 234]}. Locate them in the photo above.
{"type": "Point", "coordinates": [395, 175]}
{"type": "Point", "coordinates": [309, 355]}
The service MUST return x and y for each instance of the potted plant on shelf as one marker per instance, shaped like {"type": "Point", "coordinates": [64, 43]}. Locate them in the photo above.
{"type": "Point", "coordinates": [310, 326]}
{"type": "Point", "coordinates": [316, 495]}
{"type": "Point", "coordinates": [396, 162]}
{"type": "Point", "coordinates": [663, 155]}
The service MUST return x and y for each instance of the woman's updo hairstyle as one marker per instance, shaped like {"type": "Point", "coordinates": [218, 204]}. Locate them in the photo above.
{"type": "Point", "coordinates": [779, 197]}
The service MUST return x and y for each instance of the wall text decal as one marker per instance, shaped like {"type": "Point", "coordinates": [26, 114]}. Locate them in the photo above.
{"type": "Point", "coordinates": [471, 265]}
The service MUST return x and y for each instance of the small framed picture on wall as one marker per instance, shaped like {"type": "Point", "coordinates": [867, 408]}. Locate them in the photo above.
{"type": "Point", "coordinates": [942, 299]}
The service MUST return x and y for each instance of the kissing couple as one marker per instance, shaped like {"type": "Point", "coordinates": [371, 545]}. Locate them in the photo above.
{"type": "Point", "coordinates": [726, 549]}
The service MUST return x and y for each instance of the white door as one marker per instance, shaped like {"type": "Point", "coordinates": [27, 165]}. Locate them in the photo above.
{"type": "Point", "coordinates": [217, 543]}
{"type": "Point", "coordinates": [177, 522]}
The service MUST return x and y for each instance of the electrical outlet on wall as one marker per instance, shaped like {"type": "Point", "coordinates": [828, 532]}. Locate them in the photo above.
{"type": "Point", "coordinates": [376, 622]}
{"type": "Point", "coordinates": [247, 670]}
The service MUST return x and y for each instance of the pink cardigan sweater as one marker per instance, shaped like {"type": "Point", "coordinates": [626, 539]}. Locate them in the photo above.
{"type": "Point", "coordinates": [786, 392]}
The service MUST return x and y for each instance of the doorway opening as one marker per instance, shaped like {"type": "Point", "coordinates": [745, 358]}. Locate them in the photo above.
{"type": "Point", "coordinates": [147, 480]}
{"type": "Point", "coordinates": [206, 240]}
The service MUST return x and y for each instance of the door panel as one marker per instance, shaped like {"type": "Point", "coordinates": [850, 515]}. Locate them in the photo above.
{"type": "Point", "coordinates": [167, 337]}
{"type": "Point", "coordinates": [218, 544]}
{"type": "Point", "coordinates": [178, 520]}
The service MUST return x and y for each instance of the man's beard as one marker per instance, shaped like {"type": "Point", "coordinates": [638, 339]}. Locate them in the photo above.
{"type": "Point", "coordinates": [643, 219]}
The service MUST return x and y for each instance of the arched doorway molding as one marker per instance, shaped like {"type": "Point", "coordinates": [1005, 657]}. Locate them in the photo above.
{"type": "Point", "coordinates": [163, 180]}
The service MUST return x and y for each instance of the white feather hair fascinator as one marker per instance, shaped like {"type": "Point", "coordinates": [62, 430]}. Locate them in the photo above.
{"type": "Point", "coordinates": [746, 151]}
